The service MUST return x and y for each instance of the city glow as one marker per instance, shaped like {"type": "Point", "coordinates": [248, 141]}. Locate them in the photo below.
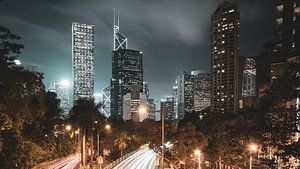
{"type": "Point", "coordinates": [17, 62]}
{"type": "Point", "coordinates": [65, 83]}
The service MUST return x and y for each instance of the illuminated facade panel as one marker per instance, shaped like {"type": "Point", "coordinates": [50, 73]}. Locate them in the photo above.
{"type": "Point", "coordinates": [249, 78]}
{"type": "Point", "coordinates": [83, 60]}
{"type": "Point", "coordinates": [201, 90]}
{"type": "Point", "coordinates": [183, 91]}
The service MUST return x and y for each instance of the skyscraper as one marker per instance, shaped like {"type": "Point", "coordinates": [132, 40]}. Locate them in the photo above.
{"type": "Point", "coordinates": [120, 41]}
{"type": "Point", "coordinates": [183, 91]}
{"type": "Point", "coordinates": [249, 78]}
{"type": "Point", "coordinates": [288, 28]}
{"type": "Point", "coordinates": [225, 26]}
{"type": "Point", "coordinates": [201, 89]}
{"type": "Point", "coordinates": [167, 108]}
{"type": "Point", "coordinates": [62, 91]}
{"type": "Point", "coordinates": [83, 60]}
{"type": "Point", "coordinates": [127, 77]}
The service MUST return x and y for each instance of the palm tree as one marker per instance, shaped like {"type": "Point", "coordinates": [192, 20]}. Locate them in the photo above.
{"type": "Point", "coordinates": [122, 142]}
{"type": "Point", "coordinates": [83, 114]}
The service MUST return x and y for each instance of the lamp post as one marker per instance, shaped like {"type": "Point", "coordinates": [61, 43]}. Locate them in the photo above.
{"type": "Point", "coordinates": [198, 154]}
{"type": "Point", "coordinates": [252, 148]}
{"type": "Point", "coordinates": [106, 127]}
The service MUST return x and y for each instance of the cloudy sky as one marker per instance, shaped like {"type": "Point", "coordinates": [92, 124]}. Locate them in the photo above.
{"type": "Point", "coordinates": [174, 35]}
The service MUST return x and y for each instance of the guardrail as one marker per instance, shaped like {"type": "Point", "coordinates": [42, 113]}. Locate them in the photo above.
{"type": "Point", "coordinates": [119, 160]}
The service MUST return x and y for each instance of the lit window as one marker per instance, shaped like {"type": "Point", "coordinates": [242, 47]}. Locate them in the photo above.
{"type": "Point", "coordinates": [293, 45]}
{"type": "Point", "coordinates": [223, 41]}
{"type": "Point", "coordinates": [232, 10]}
{"type": "Point", "coordinates": [279, 8]}
{"type": "Point", "coordinates": [294, 31]}
{"type": "Point", "coordinates": [224, 19]}
{"type": "Point", "coordinates": [279, 20]}
{"type": "Point", "coordinates": [294, 18]}
{"type": "Point", "coordinates": [297, 10]}
{"type": "Point", "coordinates": [223, 70]}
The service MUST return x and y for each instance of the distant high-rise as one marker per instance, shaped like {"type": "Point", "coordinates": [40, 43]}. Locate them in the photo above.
{"type": "Point", "coordinates": [62, 91]}
{"type": "Point", "coordinates": [120, 41]}
{"type": "Point", "coordinates": [127, 77]}
{"type": "Point", "coordinates": [201, 90]}
{"type": "Point", "coordinates": [183, 91]}
{"type": "Point", "coordinates": [83, 60]}
{"type": "Point", "coordinates": [225, 26]}
{"type": "Point", "coordinates": [167, 108]}
{"type": "Point", "coordinates": [249, 78]}
{"type": "Point", "coordinates": [288, 28]}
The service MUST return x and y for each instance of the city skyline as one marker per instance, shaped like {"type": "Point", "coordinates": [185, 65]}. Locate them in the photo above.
{"type": "Point", "coordinates": [191, 29]}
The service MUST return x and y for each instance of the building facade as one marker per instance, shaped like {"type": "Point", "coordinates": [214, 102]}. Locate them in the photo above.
{"type": "Point", "coordinates": [287, 28]}
{"type": "Point", "coordinates": [62, 91]}
{"type": "Point", "coordinates": [131, 107]}
{"type": "Point", "coordinates": [167, 108]}
{"type": "Point", "coordinates": [225, 28]}
{"type": "Point", "coordinates": [201, 89]}
{"type": "Point", "coordinates": [183, 92]}
{"type": "Point", "coordinates": [83, 60]}
{"type": "Point", "coordinates": [127, 77]}
{"type": "Point", "coordinates": [249, 78]}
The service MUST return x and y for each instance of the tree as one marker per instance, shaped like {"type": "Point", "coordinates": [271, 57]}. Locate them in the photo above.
{"type": "Point", "coordinates": [83, 114]}
{"type": "Point", "coordinates": [187, 140]}
{"type": "Point", "coordinates": [281, 117]}
{"type": "Point", "coordinates": [122, 142]}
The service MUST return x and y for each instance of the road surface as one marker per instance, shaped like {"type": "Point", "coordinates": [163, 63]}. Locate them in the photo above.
{"type": "Point", "coordinates": [66, 163]}
{"type": "Point", "coordinates": [143, 159]}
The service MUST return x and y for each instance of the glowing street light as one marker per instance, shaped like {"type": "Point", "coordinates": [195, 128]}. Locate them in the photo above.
{"type": "Point", "coordinates": [253, 148]}
{"type": "Point", "coordinates": [142, 110]}
{"type": "Point", "coordinates": [107, 126]}
{"type": "Point", "coordinates": [198, 154]}
{"type": "Point", "coordinates": [68, 127]}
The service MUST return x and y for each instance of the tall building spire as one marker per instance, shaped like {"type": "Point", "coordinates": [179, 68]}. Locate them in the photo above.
{"type": "Point", "coordinates": [120, 41]}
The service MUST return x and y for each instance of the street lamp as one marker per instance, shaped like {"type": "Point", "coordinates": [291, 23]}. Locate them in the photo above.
{"type": "Point", "coordinates": [252, 148]}
{"type": "Point", "coordinates": [198, 154]}
{"type": "Point", "coordinates": [68, 127]}
{"type": "Point", "coordinates": [107, 126]}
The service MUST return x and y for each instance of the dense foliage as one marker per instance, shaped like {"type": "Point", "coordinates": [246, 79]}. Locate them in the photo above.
{"type": "Point", "coordinates": [27, 113]}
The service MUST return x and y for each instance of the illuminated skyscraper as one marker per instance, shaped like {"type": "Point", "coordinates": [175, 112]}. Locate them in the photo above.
{"type": "Point", "coordinates": [225, 27]}
{"type": "Point", "coordinates": [288, 28]}
{"type": "Point", "coordinates": [127, 77]}
{"type": "Point", "coordinates": [120, 41]}
{"type": "Point", "coordinates": [201, 90]}
{"type": "Point", "coordinates": [183, 91]}
{"type": "Point", "coordinates": [167, 106]}
{"type": "Point", "coordinates": [249, 78]}
{"type": "Point", "coordinates": [83, 60]}
{"type": "Point", "coordinates": [62, 91]}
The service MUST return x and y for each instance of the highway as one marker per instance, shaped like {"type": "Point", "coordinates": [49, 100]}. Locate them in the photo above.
{"type": "Point", "coordinates": [66, 163]}
{"type": "Point", "coordinates": [143, 159]}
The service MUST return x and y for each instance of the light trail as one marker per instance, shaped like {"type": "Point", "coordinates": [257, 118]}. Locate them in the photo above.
{"type": "Point", "coordinates": [143, 159]}
{"type": "Point", "coordinates": [66, 163]}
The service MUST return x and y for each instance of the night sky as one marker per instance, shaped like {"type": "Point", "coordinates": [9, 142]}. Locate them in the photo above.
{"type": "Point", "coordinates": [174, 35]}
